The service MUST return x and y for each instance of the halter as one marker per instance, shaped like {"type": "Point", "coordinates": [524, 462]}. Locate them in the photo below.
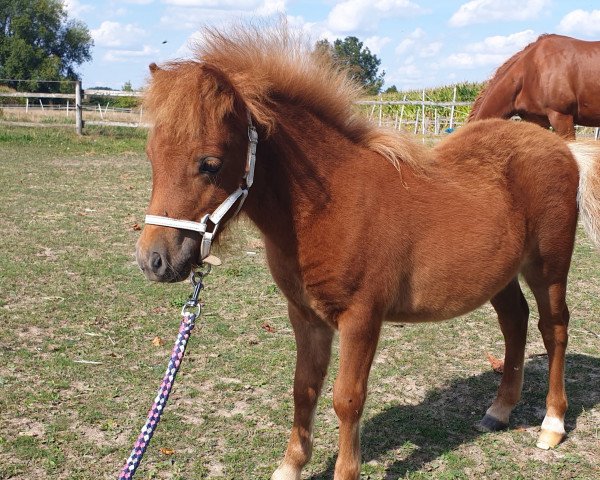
{"type": "Point", "coordinates": [215, 218]}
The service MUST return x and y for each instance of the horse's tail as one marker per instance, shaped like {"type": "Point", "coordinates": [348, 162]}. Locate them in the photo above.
{"type": "Point", "coordinates": [588, 197]}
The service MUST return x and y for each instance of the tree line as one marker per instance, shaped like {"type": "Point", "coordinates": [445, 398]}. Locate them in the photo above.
{"type": "Point", "coordinates": [39, 42]}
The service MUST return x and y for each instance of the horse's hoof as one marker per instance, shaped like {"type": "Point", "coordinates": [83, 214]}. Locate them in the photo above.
{"type": "Point", "coordinates": [490, 424]}
{"type": "Point", "coordinates": [549, 439]}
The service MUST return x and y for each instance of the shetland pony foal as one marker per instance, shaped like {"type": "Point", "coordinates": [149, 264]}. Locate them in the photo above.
{"type": "Point", "coordinates": [363, 226]}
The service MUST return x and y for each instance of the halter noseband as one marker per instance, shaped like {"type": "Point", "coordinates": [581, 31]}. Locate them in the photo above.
{"type": "Point", "coordinates": [215, 218]}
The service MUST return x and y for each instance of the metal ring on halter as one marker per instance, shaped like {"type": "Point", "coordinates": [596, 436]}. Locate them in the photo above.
{"type": "Point", "coordinates": [189, 307]}
{"type": "Point", "coordinates": [196, 280]}
{"type": "Point", "coordinates": [200, 272]}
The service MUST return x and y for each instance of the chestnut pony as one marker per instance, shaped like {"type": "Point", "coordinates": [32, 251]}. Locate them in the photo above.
{"type": "Point", "coordinates": [552, 82]}
{"type": "Point", "coordinates": [361, 225]}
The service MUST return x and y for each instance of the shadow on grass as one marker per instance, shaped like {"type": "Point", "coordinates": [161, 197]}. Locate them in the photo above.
{"type": "Point", "coordinates": [445, 419]}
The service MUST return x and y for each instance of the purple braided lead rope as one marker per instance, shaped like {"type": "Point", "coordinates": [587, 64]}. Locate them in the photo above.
{"type": "Point", "coordinates": [160, 402]}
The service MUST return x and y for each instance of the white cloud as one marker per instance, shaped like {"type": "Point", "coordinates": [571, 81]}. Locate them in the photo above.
{"type": "Point", "coordinates": [581, 22]}
{"type": "Point", "coordinates": [409, 41]}
{"type": "Point", "coordinates": [485, 11]}
{"type": "Point", "coordinates": [503, 44]}
{"type": "Point", "coordinates": [475, 60]}
{"type": "Point", "coordinates": [113, 34]}
{"type": "Point", "coordinates": [352, 15]}
{"type": "Point", "coordinates": [409, 71]}
{"type": "Point", "coordinates": [188, 14]}
{"type": "Point", "coordinates": [415, 44]}
{"type": "Point", "coordinates": [74, 8]}
{"type": "Point", "coordinates": [270, 7]}
{"type": "Point", "coordinates": [217, 4]}
{"type": "Point", "coordinates": [375, 43]}
{"type": "Point", "coordinates": [128, 55]}
{"type": "Point", "coordinates": [431, 49]}
{"type": "Point", "coordinates": [406, 77]}
{"type": "Point", "coordinates": [491, 51]}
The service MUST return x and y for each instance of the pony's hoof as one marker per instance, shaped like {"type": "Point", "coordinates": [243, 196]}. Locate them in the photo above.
{"type": "Point", "coordinates": [286, 472]}
{"type": "Point", "coordinates": [549, 439]}
{"type": "Point", "coordinates": [490, 424]}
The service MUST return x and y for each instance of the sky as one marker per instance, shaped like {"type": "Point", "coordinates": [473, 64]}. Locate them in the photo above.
{"type": "Point", "coordinates": [421, 43]}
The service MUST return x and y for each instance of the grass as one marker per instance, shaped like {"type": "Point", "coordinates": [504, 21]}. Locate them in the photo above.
{"type": "Point", "coordinates": [70, 291]}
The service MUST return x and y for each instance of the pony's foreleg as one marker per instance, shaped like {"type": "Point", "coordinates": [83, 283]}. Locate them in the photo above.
{"type": "Point", "coordinates": [359, 334]}
{"type": "Point", "coordinates": [313, 344]}
{"type": "Point", "coordinates": [513, 313]}
{"type": "Point", "coordinates": [562, 124]}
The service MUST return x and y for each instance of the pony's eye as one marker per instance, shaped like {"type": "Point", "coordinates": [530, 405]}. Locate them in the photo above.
{"type": "Point", "coordinates": [210, 165]}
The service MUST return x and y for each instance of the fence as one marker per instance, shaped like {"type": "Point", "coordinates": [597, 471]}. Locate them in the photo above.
{"type": "Point", "coordinates": [77, 107]}
{"type": "Point", "coordinates": [416, 116]}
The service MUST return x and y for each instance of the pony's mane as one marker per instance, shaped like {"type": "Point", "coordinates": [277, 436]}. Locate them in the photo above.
{"type": "Point", "coordinates": [261, 66]}
{"type": "Point", "coordinates": [499, 75]}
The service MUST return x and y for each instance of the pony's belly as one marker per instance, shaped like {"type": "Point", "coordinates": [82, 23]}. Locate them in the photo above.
{"type": "Point", "coordinates": [428, 314]}
{"type": "Point", "coordinates": [450, 293]}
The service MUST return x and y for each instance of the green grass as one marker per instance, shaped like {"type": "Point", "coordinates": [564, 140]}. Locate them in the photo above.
{"type": "Point", "coordinates": [70, 291]}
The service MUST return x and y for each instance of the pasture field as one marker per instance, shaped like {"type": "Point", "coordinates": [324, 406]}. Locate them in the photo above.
{"type": "Point", "coordinates": [84, 341]}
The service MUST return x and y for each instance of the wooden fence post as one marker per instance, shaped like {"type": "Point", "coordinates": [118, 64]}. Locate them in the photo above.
{"type": "Point", "coordinates": [78, 109]}
{"type": "Point", "coordinates": [452, 109]}
{"type": "Point", "coordinates": [423, 114]}
{"type": "Point", "coordinates": [416, 123]}
{"type": "Point", "coordinates": [402, 112]}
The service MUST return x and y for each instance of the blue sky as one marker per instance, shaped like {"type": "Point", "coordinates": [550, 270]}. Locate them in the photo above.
{"type": "Point", "coordinates": [421, 43]}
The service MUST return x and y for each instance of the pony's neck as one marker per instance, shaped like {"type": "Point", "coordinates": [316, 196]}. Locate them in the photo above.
{"type": "Point", "coordinates": [293, 173]}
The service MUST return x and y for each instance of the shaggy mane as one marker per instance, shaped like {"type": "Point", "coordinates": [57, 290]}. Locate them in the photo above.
{"type": "Point", "coordinates": [259, 66]}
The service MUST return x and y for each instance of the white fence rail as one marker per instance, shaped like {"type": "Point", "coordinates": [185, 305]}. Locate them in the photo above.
{"type": "Point", "coordinates": [430, 117]}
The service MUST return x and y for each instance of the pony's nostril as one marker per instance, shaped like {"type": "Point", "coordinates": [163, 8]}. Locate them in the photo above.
{"type": "Point", "coordinates": [155, 261]}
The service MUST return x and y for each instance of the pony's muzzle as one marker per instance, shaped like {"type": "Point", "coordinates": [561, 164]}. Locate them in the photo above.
{"type": "Point", "coordinates": [154, 264]}
{"type": "Point", "coordinates": [167, 257]}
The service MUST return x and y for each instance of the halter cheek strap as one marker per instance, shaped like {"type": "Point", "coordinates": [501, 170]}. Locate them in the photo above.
{"type": "Point", "coordinates": [239, 197]}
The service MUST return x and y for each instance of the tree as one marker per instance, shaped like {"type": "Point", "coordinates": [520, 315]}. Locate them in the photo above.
{"type": "Point", "coordinates": [362, 65]}
{"type": "Point", "coordinates": [39, 42]}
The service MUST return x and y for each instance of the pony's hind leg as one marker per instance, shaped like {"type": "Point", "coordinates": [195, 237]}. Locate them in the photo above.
{"type": "Point", "coordinates": [513, 313]}
{"type": "Point", "coordinates": [313, 345]}
{"type": "Point", "coordinates": [553, 324]}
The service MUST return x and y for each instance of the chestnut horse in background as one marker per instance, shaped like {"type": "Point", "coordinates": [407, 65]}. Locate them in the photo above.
{"type": "Point", "coordinates": [554, 82]}
{"type": "Point", "coordinates": [362, 225]}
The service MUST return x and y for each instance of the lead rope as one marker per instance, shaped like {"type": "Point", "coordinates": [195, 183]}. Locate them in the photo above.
{"type": "Point", "coordinates": [190, 312]}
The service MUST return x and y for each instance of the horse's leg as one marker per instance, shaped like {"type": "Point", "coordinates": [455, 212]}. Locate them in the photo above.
{"type": "Point", "coordinates": [313, 351]}
{"type": "Point", "coordinates": [562, 124]}
{"type": "Point", "coordinates": [359, 334]}
{"type": "Point", "coordinates": [549, 292]}
{"type": "Point", "coordinates": [513, 313]}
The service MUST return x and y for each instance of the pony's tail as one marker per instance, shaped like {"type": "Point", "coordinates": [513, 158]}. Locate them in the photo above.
{"type": "Point", "coordinates": [588, 196]}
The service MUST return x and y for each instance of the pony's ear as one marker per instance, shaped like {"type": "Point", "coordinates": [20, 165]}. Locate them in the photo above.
{"type": "Point", "coordinates": [242, 103]}
{"type": "Point", "coordinates": [221, 80]}
{"type": "Point", "coordinates": [153, 68]}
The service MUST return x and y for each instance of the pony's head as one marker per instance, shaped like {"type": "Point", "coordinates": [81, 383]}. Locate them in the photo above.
{"type": "Point", "coordinates": [199, 140]}
{"type": "Point", "coordinates": [197, 149]}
